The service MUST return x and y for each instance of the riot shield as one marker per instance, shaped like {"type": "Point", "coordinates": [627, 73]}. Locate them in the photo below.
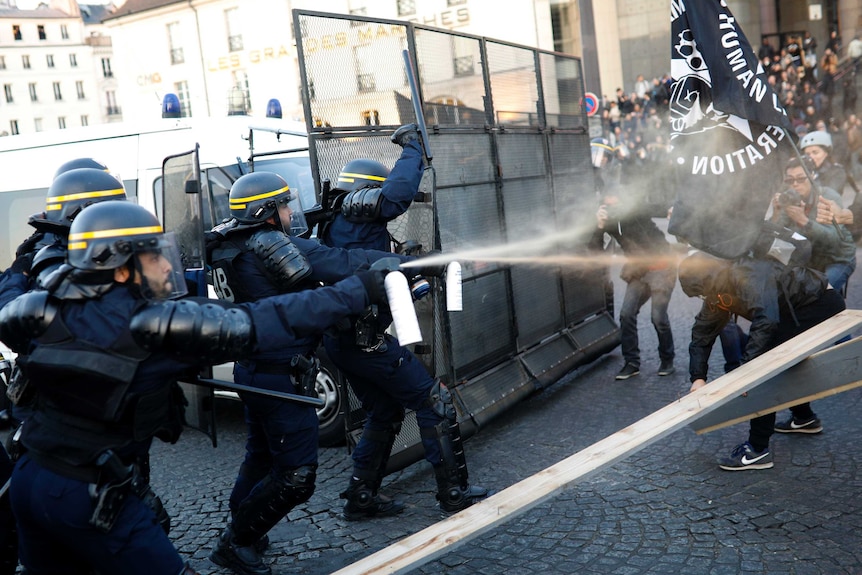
{"type": "Point", "coordinates": [183, 211]}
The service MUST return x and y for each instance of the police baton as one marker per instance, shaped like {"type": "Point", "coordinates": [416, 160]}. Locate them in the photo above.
{"type": "Point", "coordinates": [238, 387]}
{"type": "Point", "coordinates": [417, 104]}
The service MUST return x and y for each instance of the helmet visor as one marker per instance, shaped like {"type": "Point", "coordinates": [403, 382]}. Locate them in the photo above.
{"type": "Point", "coordinates": [160, 269]}
{"type": "Point", "coordinates": [291, 215]}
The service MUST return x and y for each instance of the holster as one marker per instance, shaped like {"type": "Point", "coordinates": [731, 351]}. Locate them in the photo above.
{"type": "Point", "coordinates": [14, 447]}
{"type": "Point", "coordinates": [368, 333]}
{"type": "Point", "coordinates": [114, 484]}
{"type": "Point", "coordinates": [305, 372]}
{"type": "Point", "coordinates": [18, 390]}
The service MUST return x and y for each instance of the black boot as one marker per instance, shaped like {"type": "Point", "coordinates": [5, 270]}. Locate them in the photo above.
{"type": "Point", "coordinates": [244, 560]}
{"type": "Point", "coordinates": [453, 496]}
{"type": "Point", "coordinates": [363, 502]}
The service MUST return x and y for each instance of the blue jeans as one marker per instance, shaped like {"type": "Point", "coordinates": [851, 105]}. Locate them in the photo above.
{"type": "Point", "coordinates": [733, 342]}
{"type": "Point", "coordinates": [838, 274]}
{"type": "Point", "coordinates": [658, 286]}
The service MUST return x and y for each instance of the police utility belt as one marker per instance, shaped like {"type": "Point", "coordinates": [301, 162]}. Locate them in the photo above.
{"type": "Point", "coordinates": [302, 369]}
{"type": "Point", "coordinates": [369, 330]}
{"type": "Point", "coordinates": [110, 484]}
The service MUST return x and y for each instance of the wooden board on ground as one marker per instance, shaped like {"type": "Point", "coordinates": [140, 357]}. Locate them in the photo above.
{"type": "Point", "coordinates": [450, 533]}
{"type": "Point", "coordinates": [828, 372]}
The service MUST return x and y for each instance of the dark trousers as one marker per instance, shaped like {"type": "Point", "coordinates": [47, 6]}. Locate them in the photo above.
{"type": "Point", "coordinates": [281, 435]}
{"type": "Point", "coordinates": [829, 304]}
{"type": "Point", "coordinates": [658, 286]}
{"type": "Point", "coordinates": [53, 515]}
{"type": "Point", "coordinates": [386, 381]}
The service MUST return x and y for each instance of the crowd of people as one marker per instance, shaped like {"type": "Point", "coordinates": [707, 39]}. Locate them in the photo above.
{"type": "Point", "coordinates": [817, 88]}
{"type": "Point", "coordinates": [794, 276]}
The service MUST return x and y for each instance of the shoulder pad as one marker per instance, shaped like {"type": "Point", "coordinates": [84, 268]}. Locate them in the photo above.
{"type": "Point", "coordinates": [210, 330]}
{"type": "Point", "coordinates": [362, 206]}
{"type": "Point", "coordinates": [26, 318]}
{"type": "Point", "coordinates": [285, 264]}
{"type": "Point", "coordinates": [227, 226]}
{"type": "Point", "coordinates": [47, 260]}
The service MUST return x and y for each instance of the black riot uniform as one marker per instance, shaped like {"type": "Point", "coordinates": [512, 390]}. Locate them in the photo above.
{"type": "Point", "coordinates": [252, 258]}
{"type": "Point", "coordinates": [387, 377]}
{"type": "Point", "coordinates": [102, 351]}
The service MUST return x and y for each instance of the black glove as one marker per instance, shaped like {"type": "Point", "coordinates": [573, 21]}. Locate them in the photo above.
{"type": "Point", "coordinates": [372, 281]}
{"type": "Point", "coordinates": [28, 245]}
{"type": "Point", "coordinates": [212, 240]}
{"type": "Point", "coordinates": [405, 134]}
{"type": "Point", "coordinates": [22, 264]}
{"type": "Point", "coordinates": [435, 270]}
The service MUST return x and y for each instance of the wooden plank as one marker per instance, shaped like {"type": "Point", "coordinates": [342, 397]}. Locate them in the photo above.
{"type": "Point", "coordinates": [828, 372]}
{"type": "Point", "coordinates": [454, 531]}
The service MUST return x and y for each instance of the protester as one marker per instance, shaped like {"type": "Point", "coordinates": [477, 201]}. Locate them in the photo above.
{"type": "Point", "coordinates": [650, 267]}
{"type": "Point", "coordinates": [781, 302]}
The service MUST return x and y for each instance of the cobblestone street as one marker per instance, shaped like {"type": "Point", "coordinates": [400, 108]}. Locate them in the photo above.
{"type": "Point", "coordinates": [668, 509]}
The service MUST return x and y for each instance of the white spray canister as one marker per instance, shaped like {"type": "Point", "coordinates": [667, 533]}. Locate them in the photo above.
{"type": "Point", "coordinates": [454, 299]}
{"type": "Point", "coordinates": [401, 306]}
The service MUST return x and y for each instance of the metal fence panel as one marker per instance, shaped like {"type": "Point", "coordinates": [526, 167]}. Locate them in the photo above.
{"type": "Point", "coordinates": [510, 144]}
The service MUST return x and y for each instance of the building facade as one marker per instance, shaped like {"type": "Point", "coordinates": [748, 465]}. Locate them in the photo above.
{"type": "Point", "coordinates": [54, 62]}
{"type": "Point", "coordinates": [225, 56]}
{"type": "Point", "coordinates": [230, 57]}
{"type": "Point", "coordinates": [624, 38]}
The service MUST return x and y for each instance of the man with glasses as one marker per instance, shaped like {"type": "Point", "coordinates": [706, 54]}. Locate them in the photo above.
{"type": "Point", "coordinates": [833, 250]}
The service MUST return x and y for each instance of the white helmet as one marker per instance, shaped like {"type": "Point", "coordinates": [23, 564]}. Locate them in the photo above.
{"type": "Point", "coordinates": [817, 138]}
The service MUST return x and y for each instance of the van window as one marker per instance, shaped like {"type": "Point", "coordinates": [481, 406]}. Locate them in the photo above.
{"type": "Point", "coordinates": [297, 173]}
{"type": "Point", "coordinates": [17, 207]}
{"type": "Point", "coordinates": [219, 181]}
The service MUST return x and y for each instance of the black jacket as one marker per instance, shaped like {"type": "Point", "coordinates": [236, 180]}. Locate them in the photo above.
{"type": "Point", "coordinates": [765, 292]}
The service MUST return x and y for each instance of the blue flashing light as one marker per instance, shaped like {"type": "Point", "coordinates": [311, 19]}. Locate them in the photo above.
{"type": "Point", "coordinates": [171, 106]}
{"type": "Point", "coordinates": [273, 109]}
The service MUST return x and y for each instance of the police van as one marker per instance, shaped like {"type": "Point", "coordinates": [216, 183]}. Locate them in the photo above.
{"type": "Point", "coordinates": [145, 157]}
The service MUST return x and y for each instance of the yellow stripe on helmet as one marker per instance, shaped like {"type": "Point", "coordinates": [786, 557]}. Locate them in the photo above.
{"type": "Point", "coordinates": [343, 175]}
{"type": "Point", "coordinates": [234, 205]}
{"type": "Point", "coordinates": [114, 233]}
{"type": "Point", "coordinates": [86, 196]}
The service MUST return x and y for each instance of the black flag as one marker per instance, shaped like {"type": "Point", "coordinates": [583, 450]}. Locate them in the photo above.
{"type": "Point", "coordinates": [729, 132]}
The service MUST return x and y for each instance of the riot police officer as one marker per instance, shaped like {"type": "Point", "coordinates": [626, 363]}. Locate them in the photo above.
{"type": "Point", "coordinates": [74, 187]}
{"type": "Point", "coordinates": [104, 347]}
{"type": "Point", "coordinates": [387, 377]}
{"type": "Point", "coordinates": [255, 254]}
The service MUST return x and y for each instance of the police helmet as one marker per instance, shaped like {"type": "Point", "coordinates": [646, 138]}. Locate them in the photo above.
{"type": "Point", "coordinates": [601, 152]}
{"type": "Point", "coordinates": [110, 235]}
{"type": "Point", "coordinates": [817, 138]}
{"type": "Point", "coordinates": [362, 173]}
{"type": "Point", "coordinates": [256, 197]}
{"type": "Point", "coordinates": [75, 189]}
{"type": "Point", "coordinates": [80, 163]}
